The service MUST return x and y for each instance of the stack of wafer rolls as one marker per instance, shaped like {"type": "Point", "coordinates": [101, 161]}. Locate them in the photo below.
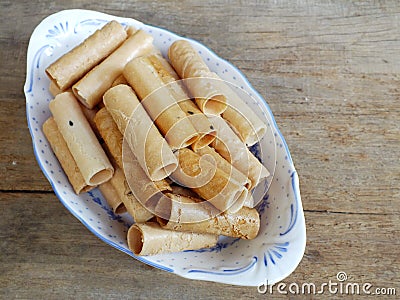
{"type": "Point", "coordinates": [165, 143]}
{"type": "Point", "coordinates": [160, 104]}
{"type": "Point", "coordinates": [189, 64]}
{"type": "Point", "coordinates": [72, 66]}
{"type": "Point", "coordinates": [147, 144]}
{"type": "Point", "coordinates": [172, 82]}
{"type": "Point", "coordinates": [95, 83]}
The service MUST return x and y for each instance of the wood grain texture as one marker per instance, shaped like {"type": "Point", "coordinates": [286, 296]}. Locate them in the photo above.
{"type": "Point", "coordinates": [329, 70]}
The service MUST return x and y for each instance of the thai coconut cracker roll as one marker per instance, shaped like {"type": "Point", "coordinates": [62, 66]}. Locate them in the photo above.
{"type": "Point", "coordinates": [213, 157]}
{"type": "Point", "coordinates": [110, 194]}
{"type": "Point", "coordinates": [92, 162]}
{"type": "Point", "coordinates": [230, 147]}
{"type": "Point", "coordinates": [64, 156]}
{"type": "Point", "coordinates": [160, 104]}
{"type": "Point", "coordinates": [70, 67]}
{"type": "Point", "coordinates": [133, 206]}
{"type": "Point", "coordinates": [209, 182]}
{"type": "Point", "coordinates": [90, 89]}
{"type": "Point", "coordinates": [184, 211]}
{"type": "Point", "coordinates": [189, 65]}
{"type": "Point", "coordinates": [110, 133]}
{"type": "Point", "coordinates": [247, 125]}
{"type": "Point", "coordinates": [172, 81]}
{"type": "Point", "coordinates": [146, 191]}
{"type": "Point", "coordinates": [150, 239]}
{"type": "Point", "coordinates": [147, 144]}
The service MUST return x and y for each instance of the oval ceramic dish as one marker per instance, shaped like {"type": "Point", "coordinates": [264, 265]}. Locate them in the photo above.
{"type": "Point", "coordinates": [280, 245]}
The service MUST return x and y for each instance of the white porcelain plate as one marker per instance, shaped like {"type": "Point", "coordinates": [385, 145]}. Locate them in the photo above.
{"type": "Point", "coordinates": [280, 245]}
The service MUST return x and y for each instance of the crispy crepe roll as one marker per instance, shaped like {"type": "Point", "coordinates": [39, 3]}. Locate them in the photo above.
{"type": "Point", "coordinates": [221, 163]}
{"type": "Point", "coordinates": [147, 144]}
{"type": "Point", "coordinates": [229, 146]}
{"type": "Point", "coordinates": [146, 191]}
{"type": "Point", "coordinates": [200, 122]}
{"type": "Point", "coordinates": [80, 139]}
{"type": "Point", "coordinates": [244, 224]}
{"type": "Point", "coordinates": [111, 196]}
{"type": "Point", "coordinates": [189, 65]}
{"type": "Point", "coordinates": [64, 156]}
{"type": "Point", "coordinates": [209, 182]}
{"type": "Point", "coordinates": [111, 135]}
{"type": "Point", "coordinates": [151, 239]}
{"type": "Point", "coordinates": [241, 117]}
{"type": "Point", "coordinates": [160, 104]}
{"type": "Point", "coordinates": [138, 212]}
{"type": "Point", "coordinates": [70, 67]}
{"type": "Point", "coordinates": [94, 84]}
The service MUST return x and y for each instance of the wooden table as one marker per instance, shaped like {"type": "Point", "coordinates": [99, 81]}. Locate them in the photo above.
{"type": "Point", "coordinates": [330, 71]}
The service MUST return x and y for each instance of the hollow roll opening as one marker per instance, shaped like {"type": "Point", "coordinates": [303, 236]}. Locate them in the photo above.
{"type": "Point", "coordinates": [215, 105]}
{"type": "Point", "coordinates": [163, 171]}
{"type": "Point", "coordinates": [101, 177]}
{"type": "Point", "coordinates": [135, 239]}
{"type": "Point", "coordinates": [204, 140]}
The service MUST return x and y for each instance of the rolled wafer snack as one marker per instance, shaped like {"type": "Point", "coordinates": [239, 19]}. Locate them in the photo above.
{"type": "Point", "coordinates": [230, 147]}
{"type": "Point", "coordinates": [174, 84]}
{"type": "Point", "coordinates": [245, 122]}
{"type": "Point", "coordinates": [110, 194]}
{"type": "Point", "coordinates": [90, 89]}
{"type": "Point", "coordinates": [64, 156]}
{"type": "Point", "coordinates": [244, 224]}
{"type": "Point", "coordinates": [213, 157]}
{"type": "Point", "coordinates": [110, 133]}
{"type": "Point", "coordinates": [80, 139]}
{"type": "Point", "coordinates": [148, 192]}
{"type": "Point", "coordinates": [53, 89]}
{"type": "Point", "coordinates": [150, 239]}
{"type": "Point", "coordinates": [144, 188]}
{"type": "Point", "coordinates": [189, 65]}
{"type": "Point", "coordinates": [70, 67]}
{"type": "Point", "coordinates": [209, 182]}
{"type": "Point", "coordinates": [147, 144]}
{"type": "Point", "coordinates": [133, 205]}
{"type": "Point", "coordinates": [160, 104]}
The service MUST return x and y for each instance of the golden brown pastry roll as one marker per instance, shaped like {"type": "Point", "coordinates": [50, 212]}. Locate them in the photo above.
{"type": "Point", "coordinates": [150, 239]}
{"type": "Point", "coordinates": [213, 157]}
{"type": "Point", "coordinates": [148, 192]}
{"type": "Point", "coordinates": [230, 147]}
{"type": "Point", "coordinates": [184, 216]}
{"type": "Point", "coordinates": [209, 182]}
{"type": "Point", "coordinates": [200, 122]}
{"type": "Point", "coordinates": [110, 194]}
{"type": "Point", "coordinates": [160, 104]}
{"type": "Point", "coordinates": [92, 162]}
{"type": "Point", "coordinates": [147, 144]}
{"type": "Point", "coordinates": [203, 87]}
{"type": "Point", "coordinates": [64, 156]}
{"type": "Point", "coordinates": [245, 122]}
{"type": "Point", "coordinates": [90, 89]}
{"type": "Point", "coordinates": [70, 67]}
{"type": "Point", "coordinates": [133, 206]}
{"type": "Point", "coordinates": [111, 135]}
